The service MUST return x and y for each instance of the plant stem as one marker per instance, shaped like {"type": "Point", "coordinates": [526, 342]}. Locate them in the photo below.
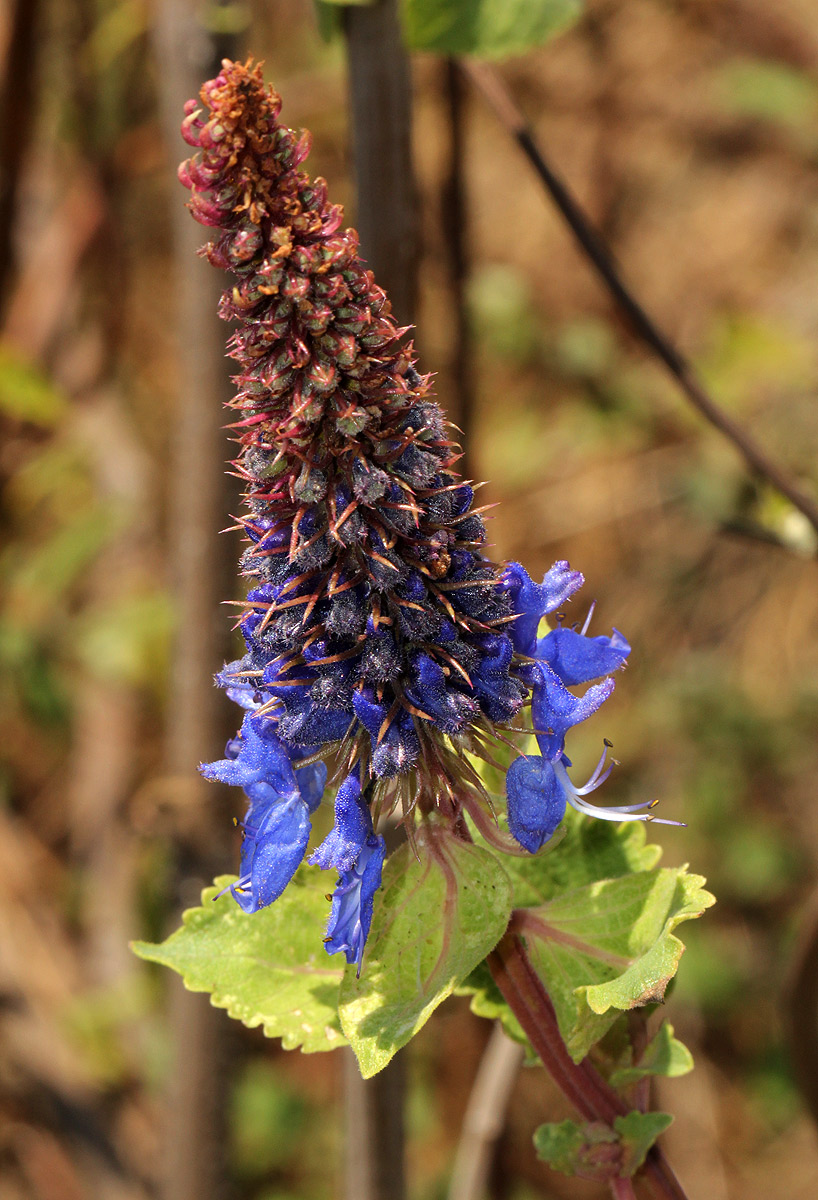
{"type": "Point", "coordinates": [591, 1095]}
{"type": "Point", "coordinates": [494, 89]}
{"type": "Point", "coordinates": [380, 108]}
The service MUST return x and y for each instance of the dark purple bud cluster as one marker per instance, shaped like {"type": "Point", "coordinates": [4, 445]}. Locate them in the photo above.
{"type": "Point", "coordinates": [375, 621]}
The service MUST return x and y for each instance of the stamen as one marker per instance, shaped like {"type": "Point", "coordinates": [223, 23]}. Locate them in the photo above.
{"type": "Point", "coordinates": [627, 812]}
{"type": "Point", "coordinates": [584, 629]}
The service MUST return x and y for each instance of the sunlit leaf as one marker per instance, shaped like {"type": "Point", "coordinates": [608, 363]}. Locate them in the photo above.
{"type": "Point", "coordinates": [435, 920]}
{"type": "Point", "coordinates": [267, 968]}
{"type": "Point", "coordinates": [609, 947]}
{"type": "Point", "coordinates": [582, 852]}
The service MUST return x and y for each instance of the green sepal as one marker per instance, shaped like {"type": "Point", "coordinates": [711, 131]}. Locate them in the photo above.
{"type": "Point", "coordinates": [267, 968]}
{"type": "Point", "coordinates": [437, 915]}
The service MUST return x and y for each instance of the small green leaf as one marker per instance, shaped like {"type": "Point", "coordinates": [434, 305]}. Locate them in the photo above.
{"type": "Point", "coordinates": [434, 921]}
{"type": "Point", "coordinates": [608, 947]}
{"type": "Point", "coordinates": [590, 1151]}
{"type": "Point", "coordinates": [664, 1055]}
{"type": "Point", "coordinates": [595, 1150]}
{"type": "Point", "coordinates": [637, 1133]}
{"type": "Point", "coordinates": [267, 968]}
{"type": "Point", "coordinates": [490, 28]}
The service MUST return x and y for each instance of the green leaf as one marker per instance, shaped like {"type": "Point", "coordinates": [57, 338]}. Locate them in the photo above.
{"type": "Point", "coordinates": [487, 1001]}
{"type": "Point", "coordinates": [267, 968]}
{"type": "Point", "coordinates": [26, 394]}
{"type": "Point", "coordinates": [597, 1151]}
{"type": "Point", "coordinates": [583, 852]}
{"type": "Point", "coordinates": [490, 28]}
{"type": "Point", "coordinates": [637, 1133]}
{"type": "Point", "coordinates": [590, 1151]}
{"type": "Point", "coordinates": [437, 915]}
{"type": "Point", "coordinates": [608, 947]}
{"type": "Point", "coordinates": [770, 91]}
{"type": "Point", "coordinates": [664, 1055]}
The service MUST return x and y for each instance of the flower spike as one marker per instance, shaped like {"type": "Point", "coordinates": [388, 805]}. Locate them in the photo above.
{"type": "Point", "coordinates": [377, 633]}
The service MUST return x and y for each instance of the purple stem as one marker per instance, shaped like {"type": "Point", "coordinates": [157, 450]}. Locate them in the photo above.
{"type": "Point", "coordinates": [591, 1095]}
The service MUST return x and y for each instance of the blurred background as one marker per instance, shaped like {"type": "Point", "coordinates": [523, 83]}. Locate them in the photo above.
{"type": "Point", "coordinates": [689, 130]}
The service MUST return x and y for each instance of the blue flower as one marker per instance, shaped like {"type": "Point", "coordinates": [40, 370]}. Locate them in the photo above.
{"type": "Point", "coordinates": [579, 659]}
{"type": "Point", "coordinates": [352, 903]}
{"type": "Point", "coordinates": [536, 802]}
{"type": "Point", "coordinates": [554, 710]}
{"type": "Point", "coordinates": [533, 601]}
{"type": "Point", "coordinates": [353, 825]}
{"type": "Point", "coordinates": [393, 736]}
{"type": "Point", "coordinates": [275, 841]}
{"type": "Point", "coordinates": [258, 761]}
{"type": "Point", "coordinates": [355, 851]}
{"type": "Point", "coordinates": [534, 786]}
{"type": "Point", "coordinates": [276, 828]}
{"type": "Point", "coordinates": [538, 788]}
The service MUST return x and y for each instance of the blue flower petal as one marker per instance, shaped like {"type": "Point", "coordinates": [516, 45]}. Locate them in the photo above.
{"type": "Point", "coordinates": [352, 902]}
{"type": "Point", "coordinates": [554, 710]}
{"type": "Point", "coordinates": [261, 757]}
{"type": "Point", "coordinates": [532, 601]}
{"type": "Point", "coordinates": [448, 708]}
{"type": "Point", "coordinates": [311, 783]}
{"type": "Point", "coordinates": [271, 853]}
{"type": "Point", "coordinates": [353, 825]}
{"type": "Point", "coordinates": [500, 696]}
{"type": "Point", "coordinates": [536, 801]}
{"type": "Point", "coordinates": [239, 689]}
{"type": "Point", "coordinates": [579, 659]}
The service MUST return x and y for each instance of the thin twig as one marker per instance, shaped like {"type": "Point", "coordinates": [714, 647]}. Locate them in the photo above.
{"type": "Point", "coordinates": [485, 1115]}
{"type": "Point", "coordinates": [490, 83]}
{"type": "Point", "coordinates": [455, 230]}
{"type": "Point", "coordinates": [581, 1083]}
